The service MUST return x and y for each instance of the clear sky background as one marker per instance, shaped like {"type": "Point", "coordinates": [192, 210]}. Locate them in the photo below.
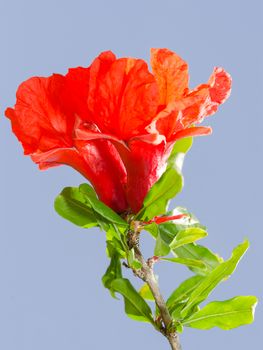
{"type": "Point", "coordinates": [51, 296]}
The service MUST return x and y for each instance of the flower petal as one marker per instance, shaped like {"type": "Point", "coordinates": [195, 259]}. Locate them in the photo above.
{"type": "Point", "coordinates": [220, 85]}
{"type": "Point", "coordinates": [39, 111]}
{"type": "Point", "coordinates": [154, 138]}
{"type": "Point", "coordinates": [76, 92]}
{"type": "Point", "coordinates": [166, 122]}
{"type": "Point", "coordinates": [108, 172]}
{"type": "Point", "coordinates": [82, 134]}
{"type": "Point", "coordinates": [123, 96]}
{"type": "Point", "coordinates": [171, 73]}
{"type": "Point", "coordinates": [209, 96]}
{"type": "Point", "coordinates": [194, 131]}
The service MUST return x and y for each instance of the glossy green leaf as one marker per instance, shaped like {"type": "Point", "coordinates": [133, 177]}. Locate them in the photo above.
{"type": "Point", "coordinates": [113, 272]}
{"type": "Point", "coordinates": [181, 147]}
{"type": "Point", "coordinates": [178, 299]}
{"type": "Point", "coordinates": [168, 231]}
{"type": "Point", "coordinates": [181, 294]}
{"type": "Point", "coordinates": [87, 190]}
{"type": "Point", "coordinates": [117, 231]}
{"type": "Point", "coordinates": [162, 239]}
{"type": "Point", "coordinates": [81, 206]}
{"type": "Point", "coordinates": [146, 293]}
{"type": "Point", "coordinates": [152, 229]}
{"type": "Point", "coordinates": [227, 314]}
{"type": "Point", "coordinates": [135, 306]}
{"type": "Point", "coordinates": [187, 262]}
{"type": "Point", "coordinates": [176, 158]}
{"type": "Point", "coordinates": [220, 273]}
{"type": "Point", "coordinates": [72, 206]}
{"type": "Point", "coordinates": [186, 236]}
{"type": "Point", "coordinates": [162, 242]}
{"type": "Point", "coordinates": [179, 327]}
{"type": "Point", "coordinates": [201, 253]}
{"type": "Point", "coordinates": [116, 242]}
{"type": "Point", "coordinates": [177, 311]}
{"type": "Point", "coordinates": [157, 199]}
{"type": "Point", "coordinates": [99, 207]}
{"type": "Point", "coordinates": [132, 261]}
{"type": "Point", "coordinates": [161, 247]}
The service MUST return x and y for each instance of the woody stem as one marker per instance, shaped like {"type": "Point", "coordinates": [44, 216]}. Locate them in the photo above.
{"type": "Point", "coordinates": [148, 276]}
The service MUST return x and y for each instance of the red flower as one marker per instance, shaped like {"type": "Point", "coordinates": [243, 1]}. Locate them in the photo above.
{"type": "Point", "coordinates": [115, 122]}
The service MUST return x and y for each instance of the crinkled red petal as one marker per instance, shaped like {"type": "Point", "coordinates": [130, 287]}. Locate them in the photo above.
{"type": "Point", "coordinates": [171, 73]}
{"type": "Point", "coordinates": [39, 118]}
{"type": "Point", "coordinates": [194, 131]}
{"type": "Point", "coordinates": [123, 96]}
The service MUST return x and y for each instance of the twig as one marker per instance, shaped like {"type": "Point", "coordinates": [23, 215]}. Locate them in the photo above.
{"type": "Point", "coordinates": [146, 273]}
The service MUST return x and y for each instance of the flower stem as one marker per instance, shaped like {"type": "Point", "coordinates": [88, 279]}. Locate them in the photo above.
{"type": "Point", "coordinates": [147, 275]}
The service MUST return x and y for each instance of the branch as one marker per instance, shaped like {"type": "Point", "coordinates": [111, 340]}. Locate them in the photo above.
{"type": "Point", "coordinates": [147, 275]}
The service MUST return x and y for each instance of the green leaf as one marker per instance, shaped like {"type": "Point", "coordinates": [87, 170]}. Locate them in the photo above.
{"type": "Point", "coordinates": [220, 273]}
{"type": "Point", "coordinates": [201, 253]}
{"type": "Point", "coordinates": [168, 230]}
{"type": "Point", "coordinates": [114, 246]}
{"type": "Point", "coordinates": [161, 247]}
{"type": "Point", "coordinates": [87, 190]}
{"type": "Point", "coordinates": [135, 306]}
{"type": "Point", "coordinates": [81, 206]}
{"type": "Point", "coordinates": [177, 311]}
{"type": "Point", "coordinates": [162, 242]}
{"type": "Point", "coordinates": [152, 229]}
{"type": "Point", "coordinates": [227, 314]}
{"type": "Point", "coordinates": [113, 272]}
{"type": "Point", "coordinates": [162, 239]}
{"type": "Point", "coordinates": [157, 199]}
{"type": "Point", "coordinates": [72, 206]}
{"type": "Point", "coordinates": [187, 262]}
{"type": "Point", "coordinates": [180, 148]}
{"type": "Point", "coordinates": [179, 327]}
{"type": "Point", "coordinates": [186, 236]}
{"type": "Point", "coordinates": [181, 294]}
{"type": "Point", "coordinates": [146, 293]}
{"type": "Point", "coordinates": [115, 243]}
{"type": "Point", "coordinates": [99, 207]}
{"type": "Point", "coordinates": [132, 261]}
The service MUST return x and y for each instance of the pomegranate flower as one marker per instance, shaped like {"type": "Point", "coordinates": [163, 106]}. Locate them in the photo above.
{"type": "Point", "coordinates": [115, 121]}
